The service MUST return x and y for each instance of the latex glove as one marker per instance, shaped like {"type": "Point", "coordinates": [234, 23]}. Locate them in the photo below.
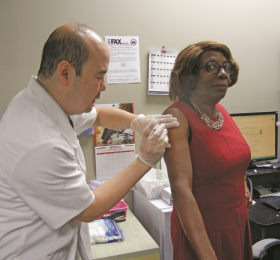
{"type": "Point", "coordinates": [141, 122]}
{"type": "Point", "coordinates": [153, 143]}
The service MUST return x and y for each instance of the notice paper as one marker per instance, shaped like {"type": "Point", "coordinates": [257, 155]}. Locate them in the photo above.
{"type": "Point", "coordinates": [110, 160]}
{"type": "Point", "coordinates": [124, 65]}
{"type": "Point", "coordinates": [160, 67]}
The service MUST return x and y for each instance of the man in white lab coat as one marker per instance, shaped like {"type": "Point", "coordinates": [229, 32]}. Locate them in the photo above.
{"type": "Point", "coordinates": [44, 196]}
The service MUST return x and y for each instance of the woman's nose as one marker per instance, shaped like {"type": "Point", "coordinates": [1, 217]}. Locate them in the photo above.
{"type": "Point", "coordinates": [222, 73]}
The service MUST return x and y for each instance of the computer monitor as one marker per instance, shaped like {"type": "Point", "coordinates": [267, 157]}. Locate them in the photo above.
{"type": "Point", "coordinates": [260, 132]}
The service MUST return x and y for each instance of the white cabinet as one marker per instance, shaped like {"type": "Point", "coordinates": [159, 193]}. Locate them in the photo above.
{"type": "Point", "coordinates": [154, 215]}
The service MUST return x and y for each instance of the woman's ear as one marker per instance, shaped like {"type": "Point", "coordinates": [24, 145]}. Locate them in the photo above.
{"type": "Point", "coordinates": [64, 71]}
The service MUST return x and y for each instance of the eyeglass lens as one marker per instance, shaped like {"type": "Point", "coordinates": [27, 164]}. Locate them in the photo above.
{"type": "Point", "coordinates": [213, 67]}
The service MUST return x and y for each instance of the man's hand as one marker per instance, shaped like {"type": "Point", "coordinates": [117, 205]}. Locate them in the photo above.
{"type": "Point", "coordinates": [141, 122]}
{"type": "Point", "coordinates": [153, 143]}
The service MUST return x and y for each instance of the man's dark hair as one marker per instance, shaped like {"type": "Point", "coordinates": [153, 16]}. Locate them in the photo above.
{"type": "Point", "coordinates": [64, 44]}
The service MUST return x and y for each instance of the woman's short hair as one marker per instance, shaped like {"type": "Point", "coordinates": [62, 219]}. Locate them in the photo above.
{"type": "Point", "coordinates": [182, 80]}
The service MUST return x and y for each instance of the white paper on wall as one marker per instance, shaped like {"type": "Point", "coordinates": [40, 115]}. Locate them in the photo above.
{"type": "Point", "coordinates": [124, 65]}
{"type": "Point", "coordinates": [160, 67]}
{"type": "Point", "coordinates": [110, 160]}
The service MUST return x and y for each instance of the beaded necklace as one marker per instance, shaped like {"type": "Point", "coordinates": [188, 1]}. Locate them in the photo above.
{"type": "Point", "coordinates": [216, 125]}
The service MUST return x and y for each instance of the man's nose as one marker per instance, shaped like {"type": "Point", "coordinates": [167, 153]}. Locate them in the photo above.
{"type": "Point", "coordinates": [103, 85]}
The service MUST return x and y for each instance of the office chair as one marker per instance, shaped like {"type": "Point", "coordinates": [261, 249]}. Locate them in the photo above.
{"type": "Point", "coordinates": [267, 249]}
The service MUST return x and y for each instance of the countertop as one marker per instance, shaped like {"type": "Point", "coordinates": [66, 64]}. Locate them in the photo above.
{"type": "Point", "coordinates": [138, 244]}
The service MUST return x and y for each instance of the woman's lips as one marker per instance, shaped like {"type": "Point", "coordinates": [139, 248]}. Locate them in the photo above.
{"type": "Point", "coordinates": [221, 85]}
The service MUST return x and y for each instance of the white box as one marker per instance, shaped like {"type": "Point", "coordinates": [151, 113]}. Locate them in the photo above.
{"type": "Point", "coordinates": [155, 215]}
{"type": "Point", "coordinates": [167, 196]}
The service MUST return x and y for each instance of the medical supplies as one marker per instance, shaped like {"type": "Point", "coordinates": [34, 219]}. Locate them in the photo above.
{"type": "Point", "coordinates": [119, 206]}
{"type": "Point", "coordinates": [104, 231]}
{"type": "Point", "coordinates": [151, 188]}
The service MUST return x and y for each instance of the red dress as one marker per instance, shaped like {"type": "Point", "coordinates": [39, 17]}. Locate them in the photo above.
{"type": "Point", "coordinates": [219, 160]}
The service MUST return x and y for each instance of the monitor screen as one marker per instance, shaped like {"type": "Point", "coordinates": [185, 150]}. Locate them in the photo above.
{"type": "Point", "coordinates": [260, 132]}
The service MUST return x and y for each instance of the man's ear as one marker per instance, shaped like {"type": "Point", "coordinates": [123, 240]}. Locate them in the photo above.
{"type": "Point", "coordinates": [64, 70]}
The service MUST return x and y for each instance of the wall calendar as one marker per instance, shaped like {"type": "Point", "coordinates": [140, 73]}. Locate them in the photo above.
{"type": "Point", "coordinates": [161, 63]}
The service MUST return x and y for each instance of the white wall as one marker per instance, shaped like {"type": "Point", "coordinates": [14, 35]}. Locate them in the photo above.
{"type": "Point", "coordinates": [250, 28]}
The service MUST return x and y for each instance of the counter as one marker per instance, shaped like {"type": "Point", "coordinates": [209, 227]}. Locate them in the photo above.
{"type": "Point", "coordinates": [138, 244]}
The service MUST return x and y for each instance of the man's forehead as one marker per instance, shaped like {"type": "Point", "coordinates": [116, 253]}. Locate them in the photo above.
{"type": "Point", "coordinates": [93, 35]}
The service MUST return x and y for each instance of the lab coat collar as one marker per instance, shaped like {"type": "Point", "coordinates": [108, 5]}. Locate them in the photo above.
{"type": "Point", "coordinates": [53, 108]}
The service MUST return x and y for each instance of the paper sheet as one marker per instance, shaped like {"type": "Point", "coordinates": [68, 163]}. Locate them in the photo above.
{"type": "Point", "coordinates": [124, 65]}
{"type": "Point", "coordinates": [262, 190]}
{"type": "Point", "coordinates": [110, 160]}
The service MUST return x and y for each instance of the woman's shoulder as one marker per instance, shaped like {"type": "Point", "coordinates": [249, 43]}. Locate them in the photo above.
{"type": "Point", "coordinates": [177, 107]}
{"type": "Point", "coordinates": [181, 105]}
{"type": "Point", "coordinates": [180, 108]}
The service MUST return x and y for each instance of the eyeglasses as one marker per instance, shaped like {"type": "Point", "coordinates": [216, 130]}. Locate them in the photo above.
{"type": "Point", "coordinates": [214, 67]}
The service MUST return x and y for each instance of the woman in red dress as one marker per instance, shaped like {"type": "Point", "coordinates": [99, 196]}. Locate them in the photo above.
{"type": "Point", "coordinates": [208, 159]}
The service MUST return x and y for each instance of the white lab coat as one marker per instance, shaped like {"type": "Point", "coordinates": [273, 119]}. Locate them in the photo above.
{"type": "Point", "coordinates": [42, 179]}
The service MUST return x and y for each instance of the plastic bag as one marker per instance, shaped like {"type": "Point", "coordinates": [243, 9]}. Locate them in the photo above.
{"type": "Point", "coordinates": [104, 231]}
{"type": "Point", "coordinates": [95, 183]}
